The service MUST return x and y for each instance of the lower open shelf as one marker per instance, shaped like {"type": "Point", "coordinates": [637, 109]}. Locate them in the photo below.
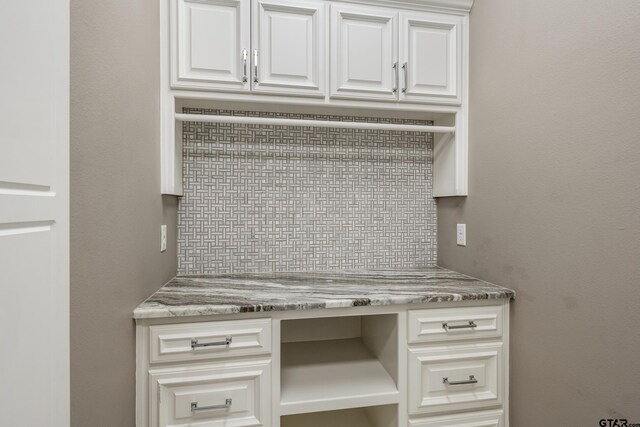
{"type": "Point", "coordinates": [333, 374]}
{"type": "Point", "coordinates": [378, 416]}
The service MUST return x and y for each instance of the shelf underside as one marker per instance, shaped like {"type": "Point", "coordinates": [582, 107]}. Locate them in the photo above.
{"type": "Point", "coordinates": [331, 375]}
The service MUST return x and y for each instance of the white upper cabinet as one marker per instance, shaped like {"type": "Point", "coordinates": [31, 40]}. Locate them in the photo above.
{"type": "Point", "coordinates": [430, 57]}
{"type": "Point", "coordinates": [210, 40]}
{"type": "Point", "coordinates": [349, 56]}
{"type": "Point", "coordinates": [289, 47]}
{"type": "Point", "coordinates": [283, 47]}
{"type": "Point", "coordinates": [364, 52]}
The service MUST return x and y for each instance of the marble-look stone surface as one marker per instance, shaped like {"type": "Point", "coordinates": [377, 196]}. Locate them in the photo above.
{"type": "Point", "coordinates": [257, 292]}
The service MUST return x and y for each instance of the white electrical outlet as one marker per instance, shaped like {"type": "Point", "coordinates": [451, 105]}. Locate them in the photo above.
{"type": "Point", "coordinates": [163, 238]}
{"type": "Point", "coordinates": [461, 235]}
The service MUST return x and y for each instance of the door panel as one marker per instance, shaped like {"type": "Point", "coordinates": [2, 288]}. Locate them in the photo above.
{"type": "Point", "coordinates": [210, 41]}
{"type": "Point", "coordinates": [34, 213]}
{"type": "Point", "coordinates": [363, 52]}
{"type": "Point", "coordinates": [212, 396]}
{"type": "Point", "coordinates": [289, 38]}
{"type": "Point", "coordinates": [431, 52]}
{"type": "Point", "coordinates": [455, 377]}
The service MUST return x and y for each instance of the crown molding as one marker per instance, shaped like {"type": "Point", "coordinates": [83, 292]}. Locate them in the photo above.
{"type": "Point", "coordinates": [448, 5]}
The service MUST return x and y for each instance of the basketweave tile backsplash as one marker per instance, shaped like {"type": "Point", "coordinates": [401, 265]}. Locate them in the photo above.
{"type": "Point", "coordinates": [280, 198]}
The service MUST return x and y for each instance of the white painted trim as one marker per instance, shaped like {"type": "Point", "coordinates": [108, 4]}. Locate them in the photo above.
{"type": "Point", "coordinates": [442, 6]}
{"type": "Point", "coordinates": [451, 154]}
{"type": "Point", "coordinates": [275, 372]}
{"type": "Point", "coordinates": [506, 306]}
{"type": "Point", "coordinates": [296, 99]}
{"type": "Point", "coordinates": [273, 121]}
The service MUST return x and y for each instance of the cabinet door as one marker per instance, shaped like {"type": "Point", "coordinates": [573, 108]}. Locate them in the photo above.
{"type": "Point", "coordinates": [289, 47]}
{"type": "Point", "coordinates": [431, 57]}
{"type": "Point", "coordinates": [363, 52]}
{"type": "Point", "coordinates": [455, 377]}
{"type": "Point", "coordinates": [229, 395]}
{"type": "Point", "coordinates": [210, 41]}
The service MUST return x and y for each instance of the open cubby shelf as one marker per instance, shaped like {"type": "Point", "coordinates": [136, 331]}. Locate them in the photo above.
{"type": "Point", "coordinates": [333, 374]}
{"type": "Point", "coordinates": [338, 364]}
{"type": "Point", "coordinates": [378, 416]}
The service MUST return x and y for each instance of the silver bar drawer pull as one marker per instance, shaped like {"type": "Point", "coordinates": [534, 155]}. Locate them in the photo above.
{"type": "Point", "coordinates": [469, 325]}
{"type": "Point", "coordinates": [255, 65]}
{"type": "Point", "coordinates": [196, 344]}
{"type": "Point", "coordinates": [472, 380]}
{"type": "Point", "coordinates": [244, 65]}
{"type": "Point", "coordinates": [405, 68]}
{"type": "Point", "coordinates": [394, 89]}
{"type": "Point", "coordinates": [195, 407]}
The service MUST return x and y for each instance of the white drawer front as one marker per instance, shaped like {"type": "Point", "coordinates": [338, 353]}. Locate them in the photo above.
{"type": "Point", "coordinates": [469, 419]}
{"type": "Point", "coordinates": [209, 340]}
{"type": "Point", "coordinates": [460, 323]}
{"type": "Point", "coordinates": [473, 376]}
{"type": "Point", "coordinates": [212, 397]}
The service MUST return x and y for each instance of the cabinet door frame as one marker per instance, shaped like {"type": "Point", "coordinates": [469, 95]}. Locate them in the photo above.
{"type": "Point", "coordinates": [340, 88]}
{"type": "Point", "coordinates": [255, 371]}
{"type": "Point", "coordinates": [451, 92]}
{"type": "Point", "coordinates": [260, 41]}
{"type": "Point", "coordinates": [485, 359]}
{"type": "Point", "coordinates": [184, 78]}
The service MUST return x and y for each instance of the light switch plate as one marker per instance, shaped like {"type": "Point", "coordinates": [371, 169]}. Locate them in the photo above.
{"type": "Point", "coordinates": [461, 235]}
{"type": "Point", "coordinates": [163, 238]}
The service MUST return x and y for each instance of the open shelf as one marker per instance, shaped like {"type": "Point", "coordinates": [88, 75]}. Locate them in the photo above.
{"type": "Point", "coordinates": [379, 416]}
{"type": "Point", "coordinates": [331, 374]}
{"type": "Point", "coordinates": [334, 374]}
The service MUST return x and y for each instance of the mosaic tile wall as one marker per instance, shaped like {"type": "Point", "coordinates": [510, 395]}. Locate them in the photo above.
{"type": "Point", "coordinates": [276, 198]}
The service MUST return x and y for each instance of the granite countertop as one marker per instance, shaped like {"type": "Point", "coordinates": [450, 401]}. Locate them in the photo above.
{"type": "Point", "coordinates": [257, 292]}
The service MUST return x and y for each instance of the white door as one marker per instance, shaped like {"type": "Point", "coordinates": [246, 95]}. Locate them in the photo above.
{"type": "Point", "coordinates": [210, 44]}
{"type": "Point", "coordinates": [430, 57]}
{"type": "Point", "coordinates": [34, 213]}
{"type": "Point", "coordinates": [364, 52]}
{"type": "Point", "coordinates": [289, 47]}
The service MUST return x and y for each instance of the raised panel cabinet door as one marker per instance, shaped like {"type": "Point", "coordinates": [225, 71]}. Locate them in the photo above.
{"type": "Point", "coordinates": [364, 52]}
{"type": "Point", "coordinates": [224, 395]}
{"type": "Point", "coordinates": [430, 57]}
{"type": "Point", "coordinates": [210, 44]}
{"type": "Point", "coordinates": [289, 47]}
{"type": "Point", "coordinates": [455, 377]}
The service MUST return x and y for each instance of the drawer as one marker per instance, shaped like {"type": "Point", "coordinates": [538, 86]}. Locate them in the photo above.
{"type": "Point", "coordinates": [458, 377]}
{"type": "Point", "coordinates": [470, 419]}
{"type": "Point", "coordinates": [211, 396]}
{"type": "Point", "coordinates": [460, 323]}
{"type": "Point", "coordinates": [209, 340]}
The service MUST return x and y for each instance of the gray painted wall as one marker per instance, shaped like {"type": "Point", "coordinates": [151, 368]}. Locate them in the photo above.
{"type": "Point", "coordinates": [116, 206]}
{"type": "Point", "coordinates": [554, 204]}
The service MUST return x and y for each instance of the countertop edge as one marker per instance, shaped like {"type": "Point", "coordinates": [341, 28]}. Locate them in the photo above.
{"type": "Point", "coordinates": [141, 313]}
